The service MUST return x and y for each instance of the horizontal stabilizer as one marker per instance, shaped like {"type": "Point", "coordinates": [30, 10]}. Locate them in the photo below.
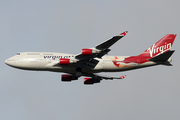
{"type": "Point", "coordinates": [162, 57]}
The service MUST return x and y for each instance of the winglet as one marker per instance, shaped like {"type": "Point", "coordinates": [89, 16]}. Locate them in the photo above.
{"type": "Point", "coordinates": [124, 33]}
{"type": "Point", "coordinates": [122, 77]}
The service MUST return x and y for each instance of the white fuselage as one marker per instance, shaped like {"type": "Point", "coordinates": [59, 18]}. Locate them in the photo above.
{"type": "Point", "coordinates": [47, 61]}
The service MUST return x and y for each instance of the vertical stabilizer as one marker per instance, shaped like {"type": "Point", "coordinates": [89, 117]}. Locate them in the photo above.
{"type": "Point", "coordinates": [162, 46]}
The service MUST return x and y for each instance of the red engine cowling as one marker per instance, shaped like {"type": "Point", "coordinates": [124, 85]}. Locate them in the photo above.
{"type": "Point", "coordinates": [90, 81]}
{"type": "Point", "coordinates": [89, 51]}
{"type": "Point", "coordinates": [64, 61]}
{"type": "Point", "coordinates": [68, 78]}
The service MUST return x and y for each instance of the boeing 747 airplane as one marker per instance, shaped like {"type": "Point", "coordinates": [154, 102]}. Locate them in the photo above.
{"type": "Point", "coordinates": [93, 60]}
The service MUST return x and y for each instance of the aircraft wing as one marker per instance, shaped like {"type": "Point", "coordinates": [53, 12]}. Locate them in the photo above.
{"type": "Point", "coordinates": [99, 50]}
{"type": "Point", "coordinates": [106, 77]}
{"type": "Point", "coordinates": [96, 78]}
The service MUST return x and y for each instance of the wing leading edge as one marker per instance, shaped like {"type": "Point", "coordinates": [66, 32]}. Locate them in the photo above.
{"type": "Point", "coordinates": [111, 41]}
{"type": "Point", "coordinates": [101, 49]}
{"type": "Point", "coordinates": [95, 78]}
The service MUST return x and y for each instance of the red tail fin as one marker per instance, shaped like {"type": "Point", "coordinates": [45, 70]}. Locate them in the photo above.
{"type": "Point", "coordinates": [162, 46]}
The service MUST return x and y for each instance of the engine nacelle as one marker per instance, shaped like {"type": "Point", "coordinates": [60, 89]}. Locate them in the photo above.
{"type": "Point", "coordinates": [90, 81]}
{"type": "Point", "coordinates": [65, 61]}
{"type": "Point", "coordinates": [68, 78]}
{"type": "Point", "coordinates": [89, 51]}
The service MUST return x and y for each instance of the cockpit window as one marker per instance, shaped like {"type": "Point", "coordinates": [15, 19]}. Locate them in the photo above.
{"type": "Point", "coordinates": [18, 54]}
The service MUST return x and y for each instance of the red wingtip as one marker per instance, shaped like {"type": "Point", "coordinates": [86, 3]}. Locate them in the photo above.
{"type": "Point", "coordinates": [122, 77]}
{"type": "Point", "coordinates": [124, 33]}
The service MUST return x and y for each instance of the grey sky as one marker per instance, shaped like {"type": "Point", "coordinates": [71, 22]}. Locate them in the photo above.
{"type": "Point", "coordinates": [67, 27]}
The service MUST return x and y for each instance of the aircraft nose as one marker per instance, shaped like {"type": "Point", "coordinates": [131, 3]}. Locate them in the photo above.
{"type": "Point", "coordinates": [9, 62]}
{"type": "Point", "coordinates": [6, 62]}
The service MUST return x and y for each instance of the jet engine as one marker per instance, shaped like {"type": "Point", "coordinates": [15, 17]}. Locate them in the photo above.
{"type": "Point", "coordinates": [89, 51]}
{"type": "Point", "coordinates": [90, 81]}
{"type": "Point", "coordinates": [68, 78]}
{"type": "Point", "coordinates": [65, 61]}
